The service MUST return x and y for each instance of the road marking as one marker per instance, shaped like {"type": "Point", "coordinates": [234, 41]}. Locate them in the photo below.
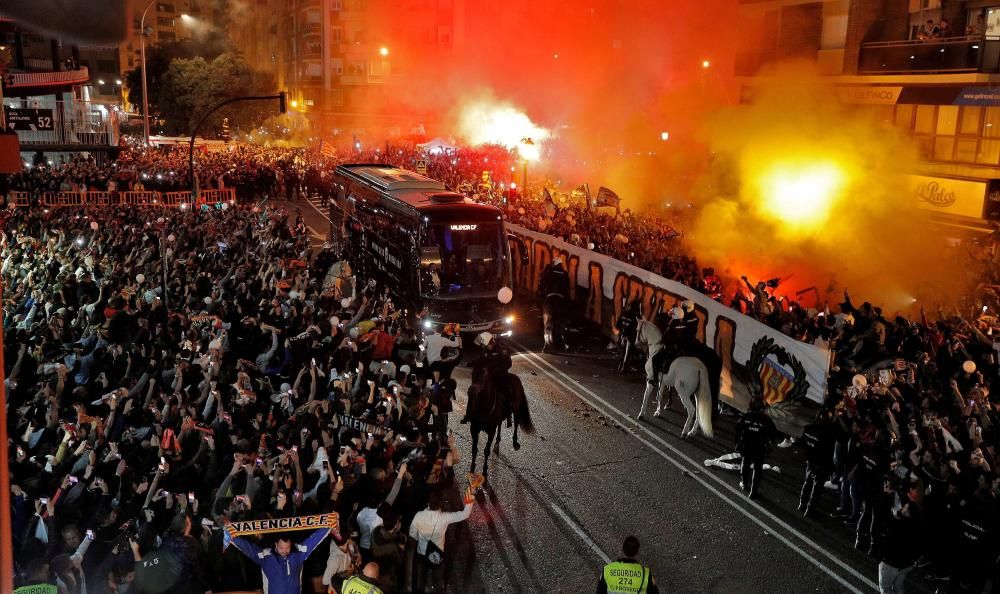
{"type": "Point", "coordinates": [316, 208]}
{"type": "Point", "coordinates": [558, 510]}
{"type": "Point", "coordinates": [605, 407]}
{"type": "Point", "coordinates": [579, 532]}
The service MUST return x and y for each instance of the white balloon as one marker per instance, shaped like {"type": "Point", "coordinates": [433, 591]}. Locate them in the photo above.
{"type": "Point", "coordinates": [504, 295]}
{"type": "Point", "coordinates": [94, 225]}
{"type": "Point", "coordinates": [140, 278]}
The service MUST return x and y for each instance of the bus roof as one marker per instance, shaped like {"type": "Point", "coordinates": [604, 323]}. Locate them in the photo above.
{"type": "Point", "coordinates": [410, 188]}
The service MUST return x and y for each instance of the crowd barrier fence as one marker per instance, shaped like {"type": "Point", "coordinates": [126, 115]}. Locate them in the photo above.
{"type": "Point", "coordinates": [103, 199]}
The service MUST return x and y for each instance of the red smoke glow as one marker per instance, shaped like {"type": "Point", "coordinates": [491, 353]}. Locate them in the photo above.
{"type": "Point", "coordinates": [605, 76]}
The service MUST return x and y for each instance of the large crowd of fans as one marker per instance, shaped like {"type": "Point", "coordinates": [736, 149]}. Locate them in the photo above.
{"type": "Point", "coordinates": [163, 385]}
{"type": "Point", "coordinates": [146, 417]}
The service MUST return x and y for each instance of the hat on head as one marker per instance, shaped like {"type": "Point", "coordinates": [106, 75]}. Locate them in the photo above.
{"type": "Point", "coordinates": [404, 369]}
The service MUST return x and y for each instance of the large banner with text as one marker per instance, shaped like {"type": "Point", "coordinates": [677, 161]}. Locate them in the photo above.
{"type": "Point", "coordinates": [756, 358]}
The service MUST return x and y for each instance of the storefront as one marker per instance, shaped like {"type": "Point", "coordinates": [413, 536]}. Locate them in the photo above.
{"type": "Point", "coordinates": [971, 204]}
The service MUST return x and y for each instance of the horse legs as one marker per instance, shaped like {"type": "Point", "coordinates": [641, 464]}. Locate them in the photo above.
{"type": "Point", "coordinates": [474, 431]}
{"type": "Point", "coordinates": [664, 389]}
{"type": "Point", "coordinates": [692, 412]}
{"type": "Point", "coordinates": [496, 443]}
{"type": "Point", "coordinates": [647, 395]}
{"type": "Point", "coordinates": [517, 444]}
{"type": "Point", "coordinates": [486, 451]}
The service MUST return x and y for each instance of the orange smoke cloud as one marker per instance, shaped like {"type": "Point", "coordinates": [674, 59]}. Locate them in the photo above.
{"type": "Point", "coordinates": [807, 188]}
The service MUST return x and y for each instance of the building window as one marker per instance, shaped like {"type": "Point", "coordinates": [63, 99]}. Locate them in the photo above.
{"type": "Point", "coordinates": [337, 5]}
{"type": "Point", "coordinates": [904, 117]}
{"type": "Point", "coordinates": [163, 7]}
{"type": "Point", "coordinates": [924, 123]}
{"type": "Point", "coordinates": [337, 34]}
{"type": "Point", "coordinates": [166, 36]}
{"type": "Point", "coordinates": [165, 21]}
{"type": "Point", "coordinates": [444, 35]}
{"type": "Point", "coordinates": [337, 65]}
{"type": "Point", "coordinates": [359, 36]}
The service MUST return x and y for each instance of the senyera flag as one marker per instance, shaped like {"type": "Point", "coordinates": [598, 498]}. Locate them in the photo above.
{"type": "Point", "coordinates": [244, 528]}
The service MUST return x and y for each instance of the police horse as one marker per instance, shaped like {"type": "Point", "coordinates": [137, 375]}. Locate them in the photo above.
{"type": "Point", "coordinates": [667, 368]}
{"type": "Point", "coordinates": [492, 407]}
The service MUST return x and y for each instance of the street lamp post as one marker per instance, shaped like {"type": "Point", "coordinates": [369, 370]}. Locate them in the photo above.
{"type": "Point", "coordinates": [525, 154]}
{"type": "Point", "coordinates": [142, 51]}
{"type": "Point", "coordinates": [6, 514]}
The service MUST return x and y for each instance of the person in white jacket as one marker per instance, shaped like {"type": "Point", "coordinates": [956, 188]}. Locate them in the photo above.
{"type": "Point", "coordinates": [431, 525]}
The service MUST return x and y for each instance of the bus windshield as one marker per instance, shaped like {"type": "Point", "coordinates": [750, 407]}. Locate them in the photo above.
{"type": "Point", "coordinates": [461, 260]}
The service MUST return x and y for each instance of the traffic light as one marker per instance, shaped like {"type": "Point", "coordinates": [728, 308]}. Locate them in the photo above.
{"type": "Point", "coordinates": [281, 103]}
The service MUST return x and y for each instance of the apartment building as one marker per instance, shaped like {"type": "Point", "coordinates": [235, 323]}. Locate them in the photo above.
{"type": "Point", "coordinates": [929, 67]}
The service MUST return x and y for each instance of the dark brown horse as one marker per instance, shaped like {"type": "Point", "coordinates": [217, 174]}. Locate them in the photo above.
{"type": "Point", "coordinates": [492, 406]}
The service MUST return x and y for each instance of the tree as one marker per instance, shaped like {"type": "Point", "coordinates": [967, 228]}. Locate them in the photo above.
{"type": "Point", "coordinates": [191, 87]}
{"type": "Point", "coordinates": [158, 59]}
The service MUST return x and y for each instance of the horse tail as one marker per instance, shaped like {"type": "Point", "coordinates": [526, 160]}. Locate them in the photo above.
{"type": "Point", "coordinates": [704, 400]}
{"type": "Point", "coordinates": [522, 414]}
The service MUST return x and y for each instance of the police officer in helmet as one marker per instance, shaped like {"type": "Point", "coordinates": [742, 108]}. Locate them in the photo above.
{"type": "Point", "coordinates": [626, 575]}
{"type": "Point", "coordinates": [818, 441]}
{"type": "Point", "coordinates": [554, 286]}
{"type": "Point", "coordinates": [754, 433]}
{"type": "Point", "coordinates": [496, 359]}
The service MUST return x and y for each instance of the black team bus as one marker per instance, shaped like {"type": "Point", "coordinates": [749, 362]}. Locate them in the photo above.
{"type": "Point", "coordinates": [434, 248]}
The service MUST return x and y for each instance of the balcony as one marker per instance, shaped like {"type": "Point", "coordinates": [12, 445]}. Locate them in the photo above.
{"type": "Point", "coordinates": [73, 123]}
{"type": "Point", "coordinates": [20, 81]}
{"type": "Point", "coordinates": [934, 56]}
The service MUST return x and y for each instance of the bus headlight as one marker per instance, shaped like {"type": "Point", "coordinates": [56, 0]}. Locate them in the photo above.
{"type": "Point", "coordinates": [428, 324]}
{"type": "Point", "coordinates": [509, 320]}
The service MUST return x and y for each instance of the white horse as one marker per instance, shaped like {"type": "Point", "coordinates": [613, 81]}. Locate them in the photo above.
{"type": "Point", "coordinates": [688, 376]}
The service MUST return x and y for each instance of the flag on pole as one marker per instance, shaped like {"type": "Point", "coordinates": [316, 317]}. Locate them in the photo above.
{"type": "Point", "coordinates": [605, 197]}
{"type": "Point", "coordinates": [581, 192]}
{"type": "Point", "coordinates": [326, 149]}
{"type": "Point", "coordinates": [551, 208]}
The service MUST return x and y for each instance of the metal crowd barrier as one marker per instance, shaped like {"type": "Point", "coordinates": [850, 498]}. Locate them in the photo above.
{"type": "Point", "coordinates": [155, 199]}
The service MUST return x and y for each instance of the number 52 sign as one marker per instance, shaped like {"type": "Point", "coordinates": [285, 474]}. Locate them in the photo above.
{"type": "Point", "coordinates": [29, 119]}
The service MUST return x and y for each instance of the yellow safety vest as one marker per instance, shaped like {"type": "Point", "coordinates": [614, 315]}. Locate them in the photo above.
{"type": "Point", "coordinates": [626, 578]}
{"type": "Point", "coordinates": [356, 585]}
{"type": "Point", "coordinates": [37, 589]}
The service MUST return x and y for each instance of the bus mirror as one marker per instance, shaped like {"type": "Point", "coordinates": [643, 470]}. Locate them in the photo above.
{"type": "Point", "coordinates": [521, 248]}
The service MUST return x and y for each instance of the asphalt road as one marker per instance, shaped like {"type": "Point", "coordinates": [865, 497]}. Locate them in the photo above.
{"type": "Point", "coordinates": [559, 508]}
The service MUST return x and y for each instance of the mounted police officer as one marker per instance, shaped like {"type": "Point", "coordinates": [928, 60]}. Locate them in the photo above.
{"type": "Point", "coordinates": [496, 359]}
{"type": "Point", "coordinates": [754, 433]}
{"type": "Point", "coordinates": [554, 286]}
{"type": "Point", "coordinates": [626, 575]}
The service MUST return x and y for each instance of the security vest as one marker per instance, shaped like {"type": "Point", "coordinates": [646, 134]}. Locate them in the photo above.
{"type": "Point", "coordinates": [37, 589]}
{"type": "Point", "coordinates": [623, 577]}
{"type": "Point", "coordinates": [357, 585]}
